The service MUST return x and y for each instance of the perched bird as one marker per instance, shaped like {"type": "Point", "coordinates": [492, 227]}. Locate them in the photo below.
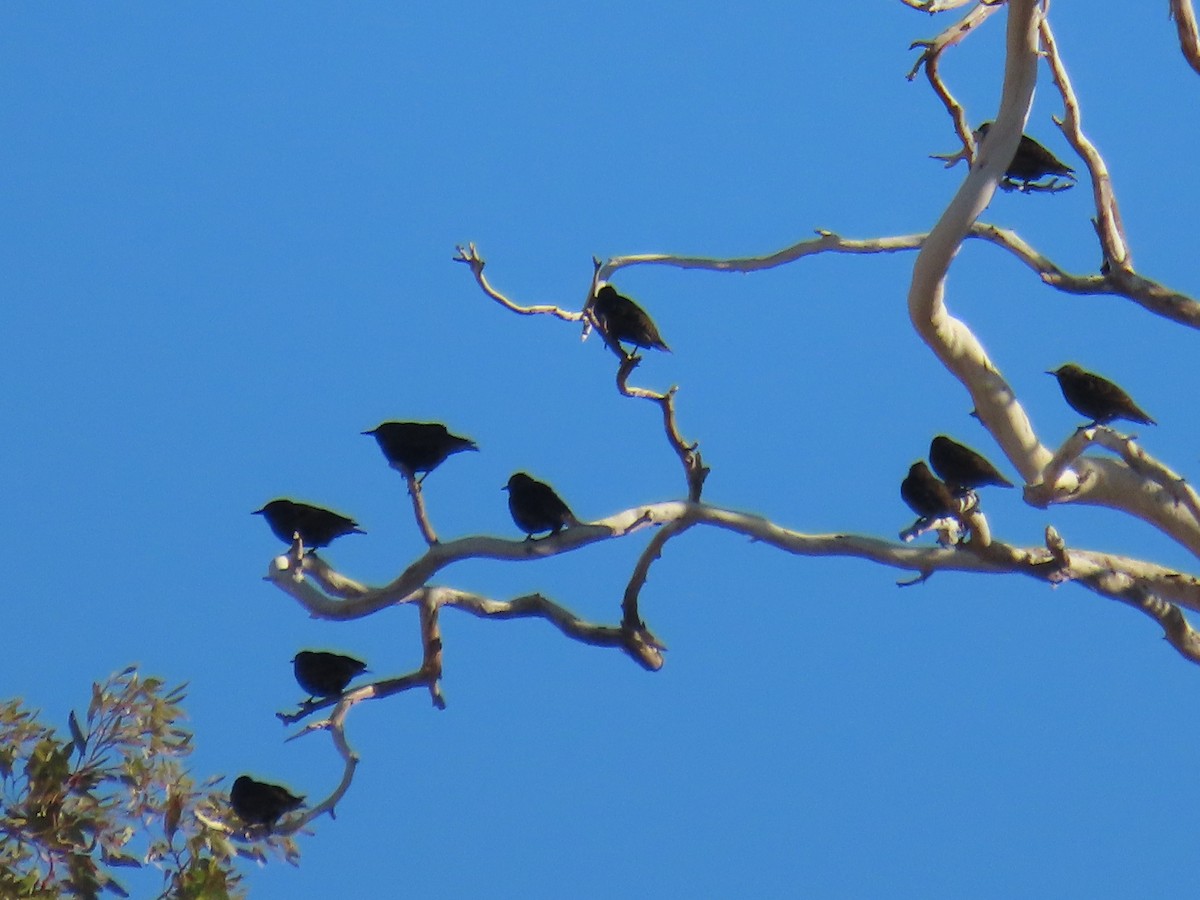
{"type": "Point", "coordinates": [1097, 398]}
{"type": "Point", "coordinates": [961, 467]}
{"type": "Point", "coordinates": [925, 495]}
{"type": "Point", "coordinates": [325, 674]}
{"type": "Point", "coordinates": [623, 320]}
{"type": "Point", "coordinates": [259, 803]}
{"type": "Point", "coordinates": [535, 506]}
{"type": "Point", "coordinates": [1031, 161]}
{"type": "Point", "coordinates": [414, 447]}
{"type": "Point", "coordinates": [316, 526]}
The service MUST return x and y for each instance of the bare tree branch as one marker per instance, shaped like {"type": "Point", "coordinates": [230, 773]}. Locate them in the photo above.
{"type": "Point", "coordinates": [471, 257]}
{"type": "Point", "coordinates": [936, 6]}
{"type": "Point", "coordinates": [992, 557]}
{"type": "Point", "coordinates": [1189, 34]}
{"type": "Point", "coordinates": [418, 504]}
{"type": "Point", "coordinates": [1108, 218]}
{"type": "Point", "coordinates": [1151, 295]}
{"type": "Point", "coordinates": [931, 57]}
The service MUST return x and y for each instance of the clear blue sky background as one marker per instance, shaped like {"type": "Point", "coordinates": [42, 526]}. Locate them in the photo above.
{"type": "Point", "coordinates": [225, 250]}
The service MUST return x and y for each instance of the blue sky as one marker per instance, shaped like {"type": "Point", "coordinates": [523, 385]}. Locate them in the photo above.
{"type": "Point", "coordinates": [227, 251]}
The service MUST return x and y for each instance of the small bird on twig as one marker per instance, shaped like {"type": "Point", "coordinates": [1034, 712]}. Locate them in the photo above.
{"type": "Point", "coordinates": [316, 526]}
{"type": "Point", "coordinates": [961, 467]}
{"type": "Point", "coordinates": [1097, 398]}
{"type": "Point", "coordinates": [620, 319]}
{"type": "Point", "coordinates": [413, 447]}
{"type": "Point", "coordinates": [1030, 162]}
{"type": "Point", "coordinates": [260, 803]}
{"type": "Point", "coordinates": [325, 674]}
{"type": "Point", "coordinates": [535, 506]}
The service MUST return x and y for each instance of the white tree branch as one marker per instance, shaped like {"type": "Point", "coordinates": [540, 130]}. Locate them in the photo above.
{"type": "Point", "coordinates": [1189, 34]}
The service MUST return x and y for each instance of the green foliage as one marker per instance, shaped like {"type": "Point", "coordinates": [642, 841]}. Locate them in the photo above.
{"type": "Point", "coordinates": [114, 795]}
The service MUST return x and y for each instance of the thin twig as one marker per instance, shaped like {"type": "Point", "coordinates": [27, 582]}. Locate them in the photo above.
{"type": "Point", "coordinates": [470, 255]}
{"type": "Point", "coordinates": [930, 59]}
{"type": "Point", "coordinates": [1109, 228]}
{"type": "Point", "coordinates": [630, 616]}
{"type": "Point", "coordinates": [694, 470]}
{"type": "Point", "coordinates": [418, 504]}
{"type": "Point", "coordinates": [935, 6]}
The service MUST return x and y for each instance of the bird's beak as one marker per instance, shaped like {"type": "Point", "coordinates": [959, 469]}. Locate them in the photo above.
{"type": "Point", "coordinates": [259, 512]}
{"type": "Point", "coordinates": [1048, 372]}
{"type": "Point", "coordinates": [372, 431]}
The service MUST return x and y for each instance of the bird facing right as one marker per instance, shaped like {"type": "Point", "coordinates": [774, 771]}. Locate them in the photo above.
{"type": "Point", "coordinates": [418, 447]}
{"type": "Point", "coordinates": [961, 467]}
{"type": "Point", "coordinates": [260, 803]}
{"type": "Point", "coordinates": [325, 674]}
{"type": "Point", "coordinates": [1031, 161]}
{"type": "Point", "coordinates": [535, 506]}
{"type": "Point", "coordinates": [620, 319]}
{"type": "Point", "coordinates": [317, 527]}
{"type": "Point", "coordinates": [1097, 398]}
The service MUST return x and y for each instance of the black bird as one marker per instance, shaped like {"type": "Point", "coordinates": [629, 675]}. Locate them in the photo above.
{"type": "Point", "coordinates": [925, 495]}
{"type": "Point", "coordinates": [414, 447]}
{"type": "Point", "coordinates": [961, 467]}
{"type": "Point", "coordinates": [620, 319]}
{"type": "Point", "coordinates": [316, 526]}
{"type": "Point", "coordinates": [1097, 398]}
{"type": "Point", "coordinates": [535, 506]}
{"type": "Point", "coordinates": [1031, 161]}
{"type": "Point", "coordinates": [259, 803]}
{"type": "Point", "coordinates": [325, 674]}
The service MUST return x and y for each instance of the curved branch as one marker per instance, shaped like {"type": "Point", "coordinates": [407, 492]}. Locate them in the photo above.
{"type": "Point", "coordinates": [1151, 295]}
{"type": "Point", "coordinates": [950, 339]}
{"type": "Point", "coordinates": [1109, 228]}
{"type": "Point", "coordinates": [995, 557]}
{"type": "Point", "coordinates": [630, 617]}
{"type": "Point", "coordinates": [931, 57]}
{"type": "Point", "coordinates": [694, 470]}
{"type": "Point", "coordinates": [1189, 34]}
{"type": "Point", "coordinates": [470, 255]}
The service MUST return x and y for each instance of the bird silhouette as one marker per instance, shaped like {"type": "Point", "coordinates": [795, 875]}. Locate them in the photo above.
{"type": "Point", "coordinates": [316, 526]}
{"type": "Point", "coordinates": [325, 674]}
{"type": "Point", "coordinates": [418, 447]}
{"type": "Point", "coordinates": [925, 495]}
{"type": "Point", "coordinates": [1031, 161]}
{"type": "Point", "coordinates": [620, 319]}
{"type": "Point", "coordinates": [961, 467]}
{"type": "Point", "coordinates": [260, 803]}
{"type": "Point", "coordinates": [1097, 398]}
{"type": "Point", "coordinates": [535, 506]}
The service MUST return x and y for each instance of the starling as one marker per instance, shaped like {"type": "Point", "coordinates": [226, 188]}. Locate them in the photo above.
{"type": "Point", "coordinates": [535, 506]}
{"type": "Point", "coordinates": [1031, 161]}
{"type": "Point", "coordinates": [1097, 398]}
{"type": "Point", "coordinates": [259, 803]}
{"type": "Point", "coordinates": [925, 495]}
{"type": "Point", "coordinates": [620, 319]}
{"type": "Point", "coordinates": [961, 467]}
{"type": "Point", "coordinates": [325, 674]}
{"type": "Point", "coordinates": [316, 526]}
{"type": "Point", "coordinates": [413, 447]}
